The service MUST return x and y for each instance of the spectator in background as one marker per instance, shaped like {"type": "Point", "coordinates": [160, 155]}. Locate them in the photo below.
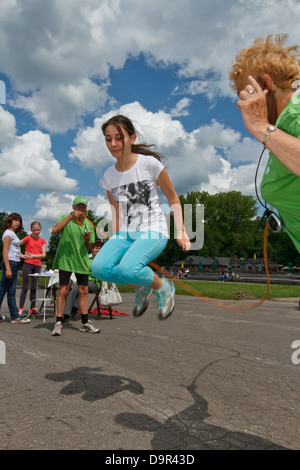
{"type": "Point", "coordinates": [35, 252]}
{"type": "Point", "coordinates": [13, 225]}
{"type": "Point", "coordinates": [77, 237]}
{"type": "Point", "coordinates": [93, 285]}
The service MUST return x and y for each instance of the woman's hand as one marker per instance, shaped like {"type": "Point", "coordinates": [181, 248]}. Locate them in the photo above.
{"type": "Point", "coordinates": [259, 109]}
{"type": "Point", "coordinates": [253, 106]}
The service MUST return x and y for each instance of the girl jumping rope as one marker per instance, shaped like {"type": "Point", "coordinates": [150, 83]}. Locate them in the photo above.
{"type": "Point", "coordinates": [139, 226]}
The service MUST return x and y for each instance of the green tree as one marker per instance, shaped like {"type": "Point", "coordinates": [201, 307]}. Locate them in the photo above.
{"type": "Point", "coordinates": [172, 252]}
{"type": "Point", "coordinates": [281, 249]}
{"type": "Point", "coordinates": [229, 222]}
{"type": "Point", "coordinates": [229, 230]}
{"type": "Point", "coordinates": [52, 248]}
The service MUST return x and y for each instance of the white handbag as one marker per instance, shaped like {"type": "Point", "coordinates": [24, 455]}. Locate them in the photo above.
{"type": "Point", "coordinates": [115, 294]}
{"type": "Point", "coordinates": [109, 296]}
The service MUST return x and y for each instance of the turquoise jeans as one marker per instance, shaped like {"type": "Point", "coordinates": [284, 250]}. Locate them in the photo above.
{"type": "Point", "coordinates": [124, 258]}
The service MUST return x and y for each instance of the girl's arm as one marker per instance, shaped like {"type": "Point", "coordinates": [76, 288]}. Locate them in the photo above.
{"type": "Point", "coordinates": [26, 256]}
{"type": "Point", "coordinates": [168, 189]}
{"type": "Point", "coordinates": [6, 245]}
{"type": "Point", "coordinates": [42, 255]}
{"type": "Point", "coordinates": [115, 208]}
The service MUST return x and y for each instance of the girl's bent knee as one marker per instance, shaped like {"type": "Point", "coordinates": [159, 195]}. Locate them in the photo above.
{"type": "Point", "coordinates": [100, 272]}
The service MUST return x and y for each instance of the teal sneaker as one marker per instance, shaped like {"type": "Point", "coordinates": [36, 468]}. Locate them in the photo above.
{"type": "Point", "coordinates": [165, 299]}
{"type": "Point", "coordinates": [142, 297]}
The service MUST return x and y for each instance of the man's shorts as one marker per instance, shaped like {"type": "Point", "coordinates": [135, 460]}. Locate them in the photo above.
{"type": "Point", "coordinates": [65, 276]}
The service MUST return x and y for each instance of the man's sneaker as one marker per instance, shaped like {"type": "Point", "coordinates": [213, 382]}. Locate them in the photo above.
{"type": "Point", "coordinates": [20, 320]}
{"type": "Point", "coordinates": [142, 297]}
{"type": "Point", "coordinates": [57, 329]}
{"type": "Point", "coordinates": [166, 299]}
{"type": "Point", "coordinates": [88, 328]}
{"type": "Point", "coordinates": [2, 318]}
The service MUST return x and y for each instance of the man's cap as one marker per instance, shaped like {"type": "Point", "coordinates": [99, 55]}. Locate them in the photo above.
{"type": "Point", "coordinates": [80, 200]}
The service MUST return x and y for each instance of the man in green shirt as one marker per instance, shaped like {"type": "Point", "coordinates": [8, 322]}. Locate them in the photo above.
{"type": "Point", "coordinates": [93, 285]}
{"type": "Point", "coordinates": [77, 237]}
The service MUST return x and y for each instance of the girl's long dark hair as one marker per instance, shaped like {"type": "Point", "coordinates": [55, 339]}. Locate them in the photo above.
{"type": "Point", "coordinates": [9, 219]}
{"type": "Point", "coordinates": [120, 121]}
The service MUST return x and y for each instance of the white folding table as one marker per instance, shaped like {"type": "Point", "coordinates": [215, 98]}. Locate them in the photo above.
{"type": "Point", "coordinates": [47, 277]}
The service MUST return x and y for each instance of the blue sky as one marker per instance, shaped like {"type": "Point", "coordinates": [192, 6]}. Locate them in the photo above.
{"type": "Point", "coordinates": [69, 65]}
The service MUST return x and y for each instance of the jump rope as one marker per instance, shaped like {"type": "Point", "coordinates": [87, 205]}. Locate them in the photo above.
{"type": "Point", "coordinates": [190, 290]}
{"type": "Point", "coordinates": [273, 221]}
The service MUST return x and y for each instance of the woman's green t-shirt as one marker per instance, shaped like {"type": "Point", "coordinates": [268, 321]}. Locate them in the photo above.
{"type": "Point", "coordinates": [280, 187]}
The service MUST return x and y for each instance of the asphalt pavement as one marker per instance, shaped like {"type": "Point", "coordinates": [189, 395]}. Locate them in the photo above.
{"type": "Point", "coordinates": [206, 378]}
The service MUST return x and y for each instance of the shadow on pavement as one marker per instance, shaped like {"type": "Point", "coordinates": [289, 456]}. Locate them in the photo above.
{"type": "Point", "coordinates": [93, 385]}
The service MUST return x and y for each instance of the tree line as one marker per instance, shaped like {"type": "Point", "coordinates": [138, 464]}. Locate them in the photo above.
{"type": "Point", "coordinates": [230, 220]}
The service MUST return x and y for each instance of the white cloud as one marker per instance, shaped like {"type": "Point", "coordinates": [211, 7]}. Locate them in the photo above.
{"type": "Point", "coordinates": [192, 158]}
{"type": "Point", "coordinates": [7, 128]}
{"type": "Point", "coordinates": [58, 57]}
{"type": "Point", "coordinates": [26, 161]}
{"type": "Point", "coordinates": [61, 53]}
{"type": "Point", "coordinates": [57, 108]}
{"type": "Point", "coordinates": [157, 128]}
{"type": "Point", "coordinates": [209, 88]}
{"type": "Point", "coordinates": [231, 179]}
{"type": "Point", "coordinates": [89, 148]}
{"type": "Point", "coordinates": [181, 108]}
{"type": "Point", "coordinates": [216, 134]}
{"type": "Point", "coordinates": [53, 205]}
{"type": "Point", "coordinates": [245, 150]}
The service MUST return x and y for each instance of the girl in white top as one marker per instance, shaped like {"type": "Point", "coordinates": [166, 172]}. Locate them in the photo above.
{"type": "Point", "coordinates": [139, 226]}
{"type": "Point", "coordinates": [10, 266]}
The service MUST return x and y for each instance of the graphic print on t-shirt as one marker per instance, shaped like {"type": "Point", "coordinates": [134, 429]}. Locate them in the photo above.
{"type": "Point", "coordinates": [134, 198]}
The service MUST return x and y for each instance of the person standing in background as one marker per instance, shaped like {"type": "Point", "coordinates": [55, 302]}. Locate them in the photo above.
{"type": "Point", "coordinates": [13, 225]}
{"type": "Point", "coordinates": [93, 285]}
{"type": "Point", "coordinates": [266, 76]}
{"type": "Point", "coordinates": [77, 238]}
{"type": "Point", "coordinates": [35, 252]}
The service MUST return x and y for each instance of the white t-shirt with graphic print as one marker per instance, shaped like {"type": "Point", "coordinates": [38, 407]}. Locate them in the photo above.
{"type": "Point", "coordinates": [136, 191]}
{"type": "Point", "coordinates": [14, 247]}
